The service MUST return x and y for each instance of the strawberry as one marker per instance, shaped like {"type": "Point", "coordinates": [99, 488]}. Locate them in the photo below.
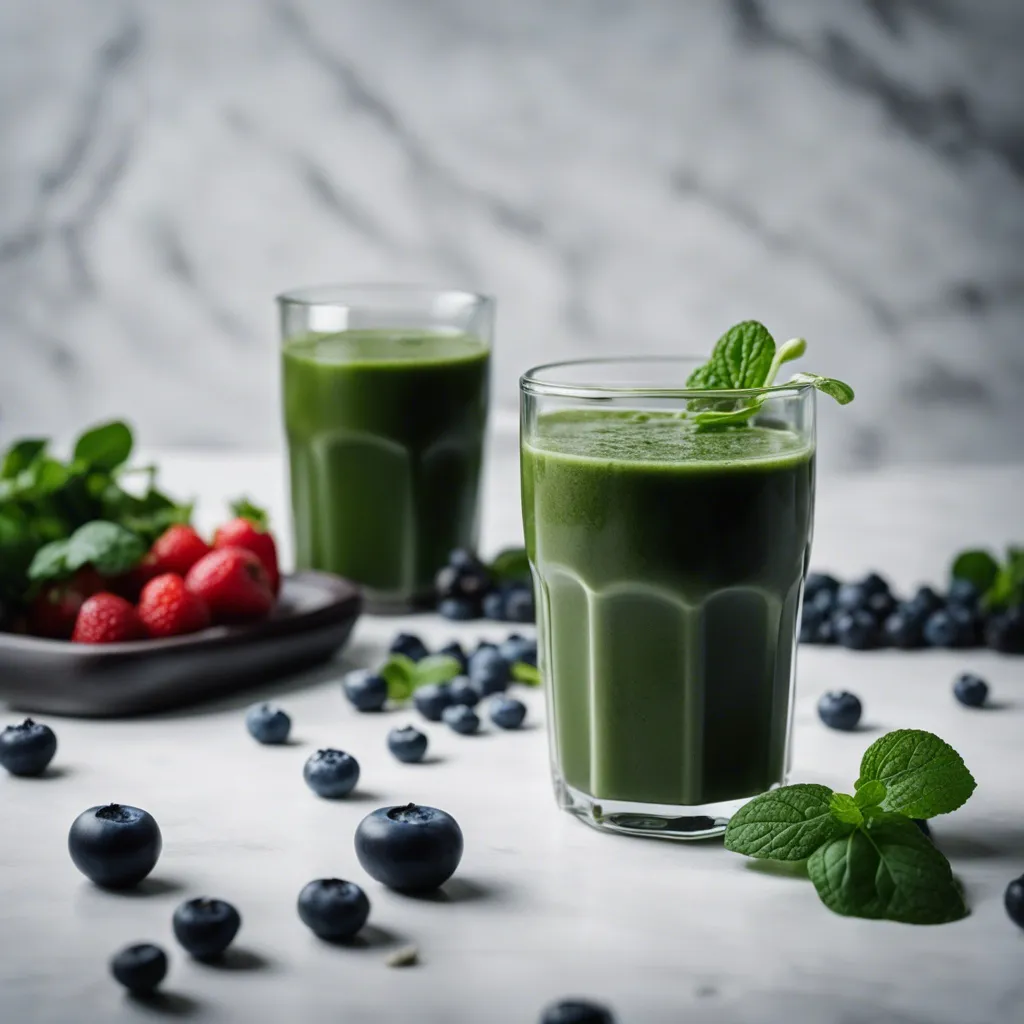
{"type": "Point", "coordinates": [177, 549]}
{"type": "Point", "coordinates": [168, 608]}
{"type": "Point", "coordinates": [233, 583]}
{"type": "Point", "coordinates": [245, 533]}
{"type": "Point", "coordinates": [107, 619]}
{"type": "Point", "coordinates": [129, 584]}
{"type": "Point", "coordinates": [53, 612]}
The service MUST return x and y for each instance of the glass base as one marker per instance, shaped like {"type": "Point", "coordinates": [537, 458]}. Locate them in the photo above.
{"type": "Point", "coordinates": [657, 821]}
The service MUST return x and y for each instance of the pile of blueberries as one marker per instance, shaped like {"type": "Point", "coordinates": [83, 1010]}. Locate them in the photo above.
{"type": "Point", "coordinates": [865, 614]}
{"type": "Point", "coordinates": [466, 589]}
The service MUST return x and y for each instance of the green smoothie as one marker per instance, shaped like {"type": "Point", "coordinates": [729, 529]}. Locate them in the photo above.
{"type": "Point", "coordinates": [385, 437]}
{"type": "Point", "coordinates": [669, 565]}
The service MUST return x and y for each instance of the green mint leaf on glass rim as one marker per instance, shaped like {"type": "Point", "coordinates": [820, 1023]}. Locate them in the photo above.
{"type": "Point", "coordinates": [435, 668]}
{"type": "Point", "coordinates": [524, 672]}
{"type": "Point", "coordinates": [836, 389]}
{"type": "Point", "coordinates": [977, 567]}
{"type": "Point", "coordinates": [399, 673]}
{"type": "Point", "coordinates": [845, 809]}
{"type": "Point", "coordinates": [887, 870]}
{"type": "Point", "coordinates": [785, 824]}
{"type": "Point", "coordinates": [922, 774]}
{"type": "Point", "coordinates": [104, 447]}
{"type": "Point", "coordinates": [740, 359]}
{"type": "Point", "coordinates": [871, 794]}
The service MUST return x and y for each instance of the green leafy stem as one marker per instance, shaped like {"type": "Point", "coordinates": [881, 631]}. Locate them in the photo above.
{"type": "Point", "coordinates": [999, 584]}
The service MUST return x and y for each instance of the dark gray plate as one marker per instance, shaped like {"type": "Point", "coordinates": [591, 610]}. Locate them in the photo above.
{"type": "Point", "coordinates": [314, 616]}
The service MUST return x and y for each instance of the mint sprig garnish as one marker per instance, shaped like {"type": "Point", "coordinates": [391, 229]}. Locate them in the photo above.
{"type": "Point", "coordinates": [864, 854]}
{"type": "Point", "coordinates": [1000, 584]}
{"type": "Point", "coordinates": [746, 358]}
{"type": "Point", "coordinates": [404, 676]}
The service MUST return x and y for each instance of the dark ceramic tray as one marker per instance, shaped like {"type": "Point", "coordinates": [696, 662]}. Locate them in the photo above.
{"type": "Point", "coordinates": [314, 616]}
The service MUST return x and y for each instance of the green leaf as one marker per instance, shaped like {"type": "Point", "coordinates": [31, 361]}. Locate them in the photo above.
{"type": "Point", "coordinates": [889, 870]}
{"type": "Point", "coordinates": [871, 794]}
{"type": "Point", "coordinates": [108, 547]}
{"type": "Point", "coordinates": [524, 672]}
{"type": "Point", "coordinates": [50, 562]}
{"type": "Point", "coordinates": [922, 774]}
{"type": "Point", "coordinates": [845, 809]}
{"type": "Point", "coordinates": [245, 509]}
{"type": "Point", "coordinates": [436, 668]}
{"type": "Point", "coordinates": [741, 358]}
{"type": "Point", "coordinates": [510, 565]}
{"type": "Point", "coordinates": [399, 673]}
{"type": "Point", "coordinates": [792, 349]}
{"type": "Point", "coordinates": [836, 389]}
{"type": "Point", "coordinates": [106, 446]}
{"type": "Point", "coordinates": [20, 456]}
{"type": "Point", "coordinates": [785, 824]}
{"type": "Point", "coordinates": [978, 567]}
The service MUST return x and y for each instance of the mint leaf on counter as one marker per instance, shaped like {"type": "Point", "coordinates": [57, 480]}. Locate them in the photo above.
{"type": "Point", "coordinates": [785, 824]}
{"type": "Point", "coordinates": [923, 775]}
{"type": "Point", "coordinates": [435, 668]}
{"type": "Point", "coordinates": [977, 567]}
{"type": "Point", "coordinates": [399, 673]}
{"type": "Point", "coordinates": [524, 672]}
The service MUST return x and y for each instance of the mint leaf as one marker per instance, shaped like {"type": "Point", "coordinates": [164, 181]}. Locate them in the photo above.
{"type": "Point", "coordinates": [108, 547]}
{"type": "Point", "coordinates": [399, 673]}
{"type": "Point", "coordinates": [245, 509]}
{"type": "Point", "coordinates": [104, 447]}
{"type": "Point", "coordinates": [511, 564]}
{"type": "Point", "coordinates": [792, 349]}
{"type": "Point", "coordinates": [20, 456]}
{"type": "Point", "coordinates": [889, 870]}
{"type": "Point", "coordinates": [922, 774]}
{"type": "Point", "coordinates": [836, 389]}
{"type": "Point", "coordinates": [50, 562]}
{"type": "Point", "coordinates": [524, 672]}
{"type": "Point", "coordinates": [871, 794]}
{"type": "Point", "coordinates": [845, 809]}
{"type": "Point", "coordinates": [785, 824]}
{"type": "Point", "coordinates": [435, 668]}
{"type": "Point", "coordinates": [978, 567]}
{"type": "Point", "coordinates": [741, 358]}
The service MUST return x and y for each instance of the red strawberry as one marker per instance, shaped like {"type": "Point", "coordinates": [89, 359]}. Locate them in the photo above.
{"type": "Point", "coordinates": [233, 583]}
{"type": "Point", "coordinates": [244, 533]}
{"type": "Point", "coordinates": [107, 619]}
{"type": "Point", "coordinates": [129, 584]}
{"type": "Point", "coordinates": [54, 611]}
{"type": "Point", "coordinates": [177, 549]}
{"type": "Point", "coordinates": [168, 608]}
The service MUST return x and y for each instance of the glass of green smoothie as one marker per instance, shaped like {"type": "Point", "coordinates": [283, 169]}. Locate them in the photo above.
{"type": "Point", "coordinates": [668, 529]}
{"type": "Point", "coordinates": [385, 407]}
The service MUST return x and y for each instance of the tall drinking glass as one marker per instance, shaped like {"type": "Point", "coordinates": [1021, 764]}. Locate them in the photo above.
{"type": "Point", "coordinates": [669, 561]}
{"type": "Point", "coordinates": [385, 408]}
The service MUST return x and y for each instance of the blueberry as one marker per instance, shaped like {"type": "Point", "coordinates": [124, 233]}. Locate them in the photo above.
{"type": "Point", "coordinates": [410, 645]}
{"type": "Point", "coordinates": [407, 744]}
{"type": "Point", "coordinates": [819, 583]}
{"type": "Point", "coordinates": [1014, 901]}
{"type": "Point", "coordinates": [333, 909]}
{"type": "Point", "coordinates": [365, 690]}
{"type": "Point", "coordinates": [577, 1011]}
{"type": "Point", "coordinates": [486, 663]}
{"type": "Point", "coordinates": [970, 690]}
{"type": "Point", "coordinates": [880, 605]}
{"type": "Point", "coordinates": [461, 718]}
{"type": "Point", "coordinates": [267, 724]}
{"type": "Point", "coordinates": [494, 606]}
{"type": "Point", "coordinates": [1004, 631]}
{"type": "Point", "coordinates": [519, 606]}
{"type": "Point", "coordinates": [874, 584]}
{"type": "Point", "coordinates": [410, 848]}
{"type": "Point", "coordinates": [463, 558]}
{"type": "Point", "coordinates": [925, 601]}
{"type": "Point", "coordinates": [839, 710]}
{"type": "Point", "coordinates": [850, 597]}
{"type": "Point", "coordinates": [28, 748]}
{"type": "Point", "coordinates": [517, 648]}
{"type": "Point", "coordinates": [116, 846]}
{"type": "Point", "coordinates": [904, 629]}
{"type": "Point", "coordinates": [940, 630]}
{"type": "Point", "coordinates": [462, 691]}
{"type": "Point", "coordinates": [856, 630]}
{"type": "Point", "coordinates": [826, 633]}
{"type": "Point", "coordinates": [140, 968]}
{"type": "Point", "coordinates": [465, 576]}
{"type": "Point", "coordinates": [823, 602]}
{"type": "Point", "coordinates": [205, 927]}
{"type": "Point", "coordinates": [454, 650]}
{"type": "Point", "coordinates": [963, 592]}
{"type": "Point", "coordinates": [331, 774]}
{"type": "Point", "coordinates": [432, 699]}
{"type": "Point", "coordinates": [507, 712]}
{"type": "Point", "coordinates": [459, 609]}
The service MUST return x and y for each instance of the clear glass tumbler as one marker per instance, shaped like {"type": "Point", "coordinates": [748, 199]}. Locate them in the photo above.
{"type": "Point", "coordinates": [668, 532]}
{"type": "Point", "coordinates": [385, 392]}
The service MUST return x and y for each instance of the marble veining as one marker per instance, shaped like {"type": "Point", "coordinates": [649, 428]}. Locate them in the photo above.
{"type": "Point", "coordinates": [626, 177]}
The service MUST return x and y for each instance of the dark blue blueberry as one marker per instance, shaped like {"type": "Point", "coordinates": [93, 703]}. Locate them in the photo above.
{"type": "Point", "coordinates": [850, 597]}
{"type": "Point", "coordinates": [823, 602]}
{"type": "Point", "coordinates": [904, 629]}
{"type": "Point", "coordinates": [519, 648]}
{"type": "Point", "coordinates": [267, 724]}
{"type": "Point", "coordinates": [205, 927]}
{"type": "Point", "coordinates": [410, 645]}
{"type": "Point", "coordinates": [1004, 631]}
{"type": "Point", "coordinates": [365, 690]}
{"type": "Point", "coordinates": [577, 1011]}
{"type": "Point", "coordinates": [857, 630]}
{"type": "Point", "coordinates": [28, 748]}
{"type": "Point", "coordinates": [819, 583]}
{"type": "Point", "coordinates": [462, 691]}
{"type": "Point", "coordinates": [963, 592]}
{"type": "Point", "coordinates": [839, 710]}
{"type": "Point", "coordinates": [968, 625]}
{"type": "Point", "coordinates": [519, 606]}
{"type": "Point", "coordinates": [487, 664]}
{"type": "Point", "coordinates": [331, 774]}
{"type": "Point", "coordinates": [462, 718]}
{"type": "Point", "coordinates": [407, 744]}
{"type": "Point", "coordinates": [333, 909]}
{"type": "Point", "coordinates": [874, 584]}
{"type": "Point", "coordinates": [1014, 901]}
{"type": "Point", "coordinates": [463, 558]}
{"type": "Point", "coordinates": [140, 968]}
{"type": "Point", "coordinates": [494, 606]}
{"type": "Point", "coordinates": [409, 848]}
{"type": "Point", "coordinates": [881, 606]}
{"type": "Point", "coordinates": [432, 699]}
{"type": "Point", "coordinates": [116, 846]}
{"type": "Point", "coordinates": [925, 601]}
{"type": "Point", "coordinates": [459, 609]}
{"type": "Point", "coordinates": [940, 630]}
{"type": "Point", "coordinates": [970, 690]}
{"type": "Point", "coordinates": [507, 712]}
{"type": "Point", "coordinates": [826, 632]}
{"type": "Point", "coordinates": [454, 650]}
{"type": "Point", "coordinates": [465, 576]}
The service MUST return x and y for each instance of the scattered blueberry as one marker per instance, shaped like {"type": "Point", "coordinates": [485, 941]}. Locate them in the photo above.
{"type": "Point", "coordinates": [494, 606]}
{"type": "Point", "coordinates": [940, 630]}
{"type": "Point", "coordinates": [462, 718]}
{"type": "Point", "coordinates": [267, 724]}
{"type": "Point", "coordinates": [577, 1011]}
{"type": "Point", "coordinates": [432, 699]}
{"type": "Point", "coordinates": [365, 690]}
{"type": "Point", "coordinates": [1004, 631]}
{"type": "Point", "coordinates": [904, 629]}
{"type": "Point", "coordinates": [925, 601]}
{"type": "Point", "coordinates": [407, 744]}
{"type": "Point", "coordinates": [459, 609]}
{"type": "Point", "coordinates": [518, 648]}
{"type": "Point", "coordinates": [826, 633]}
{"type": "Point", "coordinates": [850, 597]}
{"type": "Point", "coordinates": [970, 690]}
{"type": "Point", "coordinates": [507, 712]}
{"type": "Point", "coordinates": [519, 606]}
{"type": "Point", "coordinates": [488, 668]}
{"type": "Point", "coordinates": [333, 909]}
{"type": "Point", "coordinates": [1014, 901]}
{"type": "Point", "coordinates": [331, 774]}
{"type": "Point", "coordinates": [462, 691]}
{"type": "Point", "coordinates": [880, 605]}
{"type": "Point", "coordinates": [140, 968]}
{"type": "Point", "coordinates": [823, 601]}
{"type": "Point", "coordinates": [464, 578]}
{"type": "Point", "coordinates": [963, 592]}
{"type": "Point", "coordinates": [205, 927]}
{"type": "Point", "coordinates": [873, 583]}
{"type": "Point", "coordinates": [857, 630]}
{"type": "Point", "coordinates": [819, 583]}
{"type": "Point", "coordinates": [454, 650]}
{"type": "Point", "coordinates": [410, 645]}
{"type": "Point", "coordinates": [839, 710]}
{"type": "Point", "coordinates": [409, 848]}
{"type": "Point", "coordinates": [116, 846]}
{"type": "Point", "coordinates": [28, 748]}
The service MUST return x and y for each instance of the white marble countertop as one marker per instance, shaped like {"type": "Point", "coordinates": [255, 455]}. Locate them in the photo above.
{"type": "Point", "coordinates": [542, 906]}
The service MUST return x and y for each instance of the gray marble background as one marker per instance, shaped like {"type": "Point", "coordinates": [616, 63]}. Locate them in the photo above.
{"type": "Point", "coordinates": [626, 175]}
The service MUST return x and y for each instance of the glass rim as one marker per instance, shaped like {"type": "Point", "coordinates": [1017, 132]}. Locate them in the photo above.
{"type": "Point", "coordinates": [532, 382]}
{"type": "Point", "coordinates": [334, 294]}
